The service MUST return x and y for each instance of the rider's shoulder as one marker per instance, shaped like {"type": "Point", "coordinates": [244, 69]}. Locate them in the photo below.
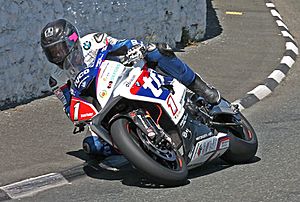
{"type": "Point", "coordinates": [96, 37]}
{"type": "Point", "coordinates": [92, 42]}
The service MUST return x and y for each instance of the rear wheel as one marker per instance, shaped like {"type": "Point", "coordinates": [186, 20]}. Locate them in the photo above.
{"type": "Point", "coordinates": [243, 143]}
{"type": "Point", "coordinates": [163, 166]}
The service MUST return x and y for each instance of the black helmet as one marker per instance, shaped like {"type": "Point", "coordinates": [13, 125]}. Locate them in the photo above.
{"type": "Point", "coordinates": [58, 39]}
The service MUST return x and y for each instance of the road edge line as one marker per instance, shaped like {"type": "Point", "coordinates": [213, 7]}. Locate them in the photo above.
{"type": "Point", "coordinates": [280, 72]}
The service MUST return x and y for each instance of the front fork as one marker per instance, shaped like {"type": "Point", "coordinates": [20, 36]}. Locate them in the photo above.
{"type": "Point", "coordinates": [144, 122]}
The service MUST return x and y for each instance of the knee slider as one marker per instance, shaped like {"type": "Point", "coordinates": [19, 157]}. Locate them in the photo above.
{"type": "Point", "coordinates": [165, 49]}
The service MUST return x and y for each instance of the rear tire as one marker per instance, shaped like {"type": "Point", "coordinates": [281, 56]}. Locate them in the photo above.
{"type": "Point", "coordinates": [133, 151]}
{"type": "Point", "coordinates": [242, 147]}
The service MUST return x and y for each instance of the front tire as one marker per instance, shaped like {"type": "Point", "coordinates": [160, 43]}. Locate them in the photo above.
{"type": "Point", "coordinates": [127, 142]}
{"type": "Point", "coordinates": [243, 143]}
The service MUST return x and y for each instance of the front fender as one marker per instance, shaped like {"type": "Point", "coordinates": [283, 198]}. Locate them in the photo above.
{"type": "Point", "coordinates": [224, 107]}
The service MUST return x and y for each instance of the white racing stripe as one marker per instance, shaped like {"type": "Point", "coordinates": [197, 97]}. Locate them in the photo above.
{"type": "Point", "coordinates": [291, 46]}
{"type": "Point", "coordinates": [288, 61]}
{"type": "Point", "coordinates": [277, 75]}
{"type": "Point", "coordinates": [33, 185]}
{"type": "Point", "coordinates": [260, 91]}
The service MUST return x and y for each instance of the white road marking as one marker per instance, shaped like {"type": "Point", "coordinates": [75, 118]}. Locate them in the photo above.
{"type": "Point", "coordinates": [277, 75]}
{"type": "Point", "coordinates": [281, 24]}
{"type": "Point", "coordinates": [31, 186]}
{"type": "Point", "coordinates": [291, 46]}
{"type": "Point", "coordinates": [286, 34]}
{"type": "Point", "coordinates": [288, 61]}
{"type": "Point", "coordinates": [260, 91]}
{"type": "Point", "coordinates": [270, 5]}
{"type": "Point", "coordinates": [275, 14]}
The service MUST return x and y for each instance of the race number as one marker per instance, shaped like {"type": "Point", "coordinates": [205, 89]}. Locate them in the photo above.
{"type": "Point", "coordinates": [76, 111]}
{"type": "Point", "coordinates": [172, 105]}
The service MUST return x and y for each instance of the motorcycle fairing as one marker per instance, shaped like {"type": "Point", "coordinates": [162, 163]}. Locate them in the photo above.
{"type": "Point", "coordinates": [84, 79]}
{"type": "Point", "coordinates": [106, 80]}
{"type": "Point", "coordinates": [208, 148]}
{"type": "Point", "coordinates": [81, 110]}
{"type": "Point", "coordinates": [145, 85]}
{"type": "Point", "coordinates": [148, 84]}
{"type": "Point", "coordinates": [222, 108]}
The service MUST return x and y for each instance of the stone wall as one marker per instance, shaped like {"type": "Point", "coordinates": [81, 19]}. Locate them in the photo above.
{"type": "Point", "coordinates": [24, 70]}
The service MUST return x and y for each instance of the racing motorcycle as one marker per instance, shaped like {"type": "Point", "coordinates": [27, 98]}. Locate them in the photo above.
{"type": "Point", "coordinates": [161, 127]}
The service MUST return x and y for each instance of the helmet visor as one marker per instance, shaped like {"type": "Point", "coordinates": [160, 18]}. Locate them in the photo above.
{"type": "Point", "coordinates": [74, 62]}
{"type": "Point", "coordinates": [57, 52]}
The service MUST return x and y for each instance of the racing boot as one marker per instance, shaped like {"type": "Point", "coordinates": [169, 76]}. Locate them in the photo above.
{"type": "Point", "coordinates": [95, 146]}
{"type": "Point", "coordinates": [208, 92]}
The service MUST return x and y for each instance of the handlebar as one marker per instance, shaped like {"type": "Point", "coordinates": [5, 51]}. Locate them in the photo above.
{"type": "Point", "coordinates": [134, 54]}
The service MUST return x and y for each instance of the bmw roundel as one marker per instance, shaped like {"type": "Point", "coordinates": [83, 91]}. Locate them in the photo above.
{"type": "Point", "coordinates": [87, 45]}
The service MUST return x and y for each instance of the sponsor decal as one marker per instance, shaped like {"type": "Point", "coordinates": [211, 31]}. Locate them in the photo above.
{"type": "Point", "coordinates": [183, 120]}
{"type": "Point", "coordinates": [187, 133]}
{"type": "Point", "coordinates": [172, 105]}
{"type": "Point", "coordinates": [135, 42]}
{"type": "Point", "coordinates": [109, 84]}
{"type": "Point", "coordinates": [98, 37]}
{"type": "Point", "coordinates": [81, 110]}
{"type": "Point", "coordinates": [127, 84]}
{"type": "Point", "coordinates": [80, 78]}
{"type": "Point", "coordinates": [87, 45]}
{"type": "Point", "coordinates": [86, 115]}
{"type": "Point", "coordinates": [205, 147]}
{"type": "Point", "coordinates": [206, 135]}
{"type": "Point", "coordinates": [49, 32]}
{"type": "Point", "coordinates": [149, 86]}
{"type": "Point", "coordinates": [114, 74]}
{"type": "Point", "coordinates": [224, 143]}
{"type": "Point", "coordinates": [103, 93]}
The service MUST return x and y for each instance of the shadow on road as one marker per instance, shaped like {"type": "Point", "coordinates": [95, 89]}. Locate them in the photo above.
{"type": "Point", "coordinates": [213, 27]}
{"type": "Point", "coordinates": [95, 167]}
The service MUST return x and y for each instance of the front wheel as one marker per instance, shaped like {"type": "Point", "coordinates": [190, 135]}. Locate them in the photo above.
{"type": "Point", "coordinates": [243, 143]}
{"type": "Point", "coordinates": [171, 173]}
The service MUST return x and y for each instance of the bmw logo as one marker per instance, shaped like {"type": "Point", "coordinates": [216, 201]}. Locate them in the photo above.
{"type": "Point", "coordinates": [87, 45]}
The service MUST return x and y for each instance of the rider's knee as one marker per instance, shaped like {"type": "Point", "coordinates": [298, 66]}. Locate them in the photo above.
{"type": "Point", "coordinates": [163, 48]}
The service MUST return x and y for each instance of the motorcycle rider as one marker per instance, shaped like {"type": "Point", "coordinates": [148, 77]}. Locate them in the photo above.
{"type": "Point", "coordinates": [61, 43]}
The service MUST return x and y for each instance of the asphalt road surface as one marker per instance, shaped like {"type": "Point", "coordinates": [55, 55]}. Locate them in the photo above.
{"type": "Point", "coordinates": [239, 53]}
